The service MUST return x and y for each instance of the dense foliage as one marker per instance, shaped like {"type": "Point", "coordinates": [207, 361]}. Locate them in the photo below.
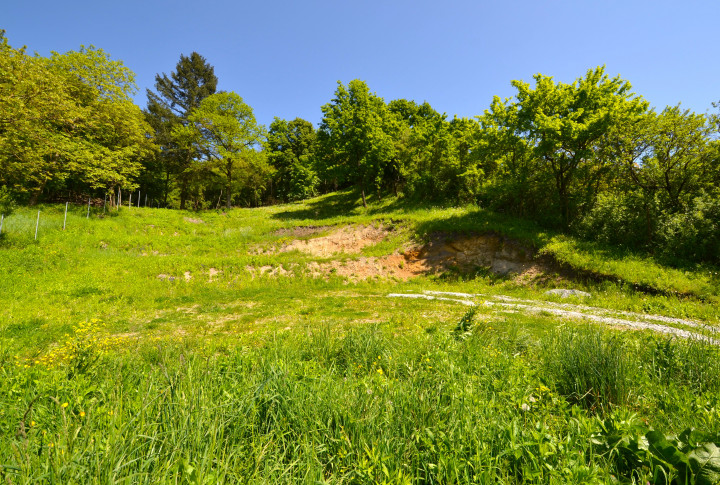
{"type": "Point", "coordinates": [68, 124]}
{"type": "Point", "coordinates": [589, 157]}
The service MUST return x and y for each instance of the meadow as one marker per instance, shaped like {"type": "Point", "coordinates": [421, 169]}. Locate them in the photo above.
{"type": "Point", "coordinates": [161, 346]}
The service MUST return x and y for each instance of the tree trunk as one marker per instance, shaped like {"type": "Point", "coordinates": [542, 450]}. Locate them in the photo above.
{"type": "Point", "coordinates": [35, 197]}
{"type": "Point", "coordinates": [166, 187]}
{"type": "Point", "coordinates": [648, 225]}
{"type": "Point", "coordinates": [363, 198]}
{"type": "Point", "coordinates": [183, 194]}
{"type": "Point", "coordinates": [228, 185]}
{"type": "Point", "coordinates": [563, 198]}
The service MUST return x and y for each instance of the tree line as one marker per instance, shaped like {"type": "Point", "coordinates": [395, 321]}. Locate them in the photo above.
{"type": "Point", "coordinates": [590, 157]}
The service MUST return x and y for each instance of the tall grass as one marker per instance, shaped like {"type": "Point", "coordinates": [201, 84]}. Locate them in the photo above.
{"type": "Point", "coordinates": [694, 362]}
{"type": "Point", "coordinates": [364, 406]}
{"type": "Point", "coordinates": [359, 408]}
{"type": "Point", "coordinates": [589, 366]}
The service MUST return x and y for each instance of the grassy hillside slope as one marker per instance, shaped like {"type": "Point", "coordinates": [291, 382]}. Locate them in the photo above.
{"type": "Point", "coordinates": [163, 346]}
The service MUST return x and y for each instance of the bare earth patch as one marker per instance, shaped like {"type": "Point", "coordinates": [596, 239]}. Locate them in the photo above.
{"type": "Point", "coordinates": [393, 266]}
{"type": "Point", "coordinates": [443, 253]}
{"type": "Point", "coordinates": [301, 231]}
{"type": "Point", "coordinates": [348, 240]}
{"type": "Point", "coordinates": [212, 273]}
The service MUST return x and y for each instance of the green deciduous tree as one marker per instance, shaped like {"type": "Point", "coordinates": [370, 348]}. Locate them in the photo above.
{"type": "Point", "coordinates": [356, 137]}
{"type": "Point", "coordinates": [567, 123]}
{"type": "Point", "coordinates": [224, 131]}
{"type": "Point", "coordinates": [68, 120]}
{"type": "Point", "coordinates": [507, 155]}
{"type": "Point", "coordinates": [290, 149]}
{"type": "Point", "coordinates": [678, 160]}
{"type": "Point", "coordinates": [435, 154]}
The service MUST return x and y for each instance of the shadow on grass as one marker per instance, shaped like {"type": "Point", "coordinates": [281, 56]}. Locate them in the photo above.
{"type": "Point", "coordinates": [336, 204]}
{"type": "Point", "coordinates": [481, 221]}
{"type": "Point", "coordinates": [346, 203]}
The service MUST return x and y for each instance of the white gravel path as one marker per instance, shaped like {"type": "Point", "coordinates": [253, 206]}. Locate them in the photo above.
{"type": "Point", "coordinates": [605, 316]}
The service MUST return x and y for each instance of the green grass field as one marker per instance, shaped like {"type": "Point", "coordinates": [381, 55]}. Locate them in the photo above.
{"type": "Point", "coordinates": [145, 347]}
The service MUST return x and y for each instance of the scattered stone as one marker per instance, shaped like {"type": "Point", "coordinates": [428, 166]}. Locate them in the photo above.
{"type": "Point", "coordinates": [187, 275]}
{"type": "Point", "coordinates": [163, 277]}
{"type": "Point", "coordinates": [212, 272]}
{"type": "Point", "coordinates": [504, 267]}
{"type": "Point", "coordinates": [564, 293]}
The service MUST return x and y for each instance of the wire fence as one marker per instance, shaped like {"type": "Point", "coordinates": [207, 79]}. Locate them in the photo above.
{"type": "Point", "coordinates": [46, 219]}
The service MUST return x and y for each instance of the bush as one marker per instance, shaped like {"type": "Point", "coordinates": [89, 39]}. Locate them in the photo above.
{"type": "Point", "coordinates": [694, 234]}
{"type": "Point", "coordinates": [626, 219]}
{"type": "Point", "coordinates": [7, 202]}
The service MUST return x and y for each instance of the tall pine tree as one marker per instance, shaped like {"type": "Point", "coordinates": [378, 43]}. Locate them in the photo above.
{"type": "Point", "coordinates": [170, 105]}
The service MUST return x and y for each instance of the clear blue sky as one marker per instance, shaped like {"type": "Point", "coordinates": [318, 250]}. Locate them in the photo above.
{"type": "Point", "coordinates": [285, 57]}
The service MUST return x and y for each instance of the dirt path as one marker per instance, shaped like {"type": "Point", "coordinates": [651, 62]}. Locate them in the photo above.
{"type": "Point", "coordinates": [507, 304]}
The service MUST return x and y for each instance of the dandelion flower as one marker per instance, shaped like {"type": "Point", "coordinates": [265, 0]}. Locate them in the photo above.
{"type": "Point", "coordinates": [64, 405]}
{"type": "Point", "coordinates": [82, 414]}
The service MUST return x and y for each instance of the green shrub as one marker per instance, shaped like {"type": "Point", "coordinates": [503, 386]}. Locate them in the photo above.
{"type": "Point", "coordinates": [7, 202]}
{"type": "Point", "coordinates": [694, 234]}
{"type": "Point", "coordinates": [626, 219]}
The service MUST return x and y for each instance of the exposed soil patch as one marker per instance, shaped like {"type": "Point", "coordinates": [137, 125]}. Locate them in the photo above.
{"type": "Point", "coordinates": [193, 221]}
{"type": "Point", "coordinates": [497, 254]}
{"type": "Point", "coordinates": [300, 231]}
{"type": "Point", "coordinates": [442, 253]}
{"type": "Point", "coordinates": [212, 273]}
{"type": "Point", "coordinates": [347, 240]}
{"type": "Point", "coordinates": [399, 266]}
